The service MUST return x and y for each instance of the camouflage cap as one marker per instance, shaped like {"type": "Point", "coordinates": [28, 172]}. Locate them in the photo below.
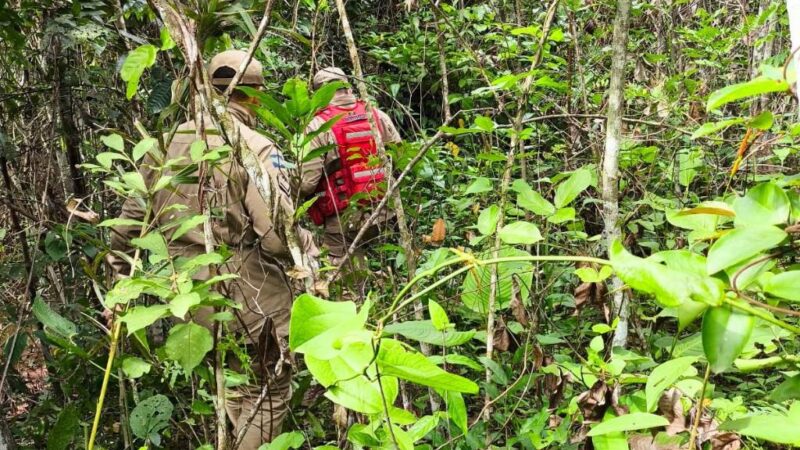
{"type": "Point", "coordinates": [327, 75]}
{"type": "Point", "coordinates": [230, 61]}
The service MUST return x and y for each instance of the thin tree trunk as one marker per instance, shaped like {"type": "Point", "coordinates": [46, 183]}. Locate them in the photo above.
{"type": "Point", "coordinates": [69, 132]}
{"type": "Point", "coordinates": [793, 11]}
{"type": "Point", "coordinates": [610, 176]}
{"type": "Point", "coordinates": [443, 68]}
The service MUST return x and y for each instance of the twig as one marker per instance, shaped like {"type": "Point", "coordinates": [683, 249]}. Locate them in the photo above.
{"type": "Point", "coordinates": [699, 410]}
{"type": "Point", "coordinates": [262, 28]}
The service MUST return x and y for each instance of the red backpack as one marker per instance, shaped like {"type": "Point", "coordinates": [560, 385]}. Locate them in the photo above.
{"type": "Point", "coordinates": [355, 171]}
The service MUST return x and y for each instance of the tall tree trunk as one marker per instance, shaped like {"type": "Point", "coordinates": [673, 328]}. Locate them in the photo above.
{"type": "Point", "coordinates": [616, 108]}
{"type": "Point", "coordinates": [70, 135]}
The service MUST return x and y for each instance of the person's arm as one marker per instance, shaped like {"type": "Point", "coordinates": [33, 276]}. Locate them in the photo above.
{"type": "Point", "coordinates": [389, 132]}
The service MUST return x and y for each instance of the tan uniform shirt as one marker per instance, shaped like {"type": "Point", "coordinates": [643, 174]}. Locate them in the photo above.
{"type": "Point", "coordinates": [243, 221]}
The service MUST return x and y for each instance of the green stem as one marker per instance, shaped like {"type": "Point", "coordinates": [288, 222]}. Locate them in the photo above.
{"type": "Point", "coordinates": [761, 314]}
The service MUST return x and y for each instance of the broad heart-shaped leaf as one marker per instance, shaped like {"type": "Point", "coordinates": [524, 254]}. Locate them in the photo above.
{"type": "Point", "coordinates": [487, 220]}
{"type": "Point", "coordinates": [355, 354]}
{"type": "Point", "coordinates": [757, 86]}
{"type": "Point", "coordinates": [140, 317]}
{"type": "Point", "coordinates": [663, 376]}
{"type": "Point", "coordinates": [424, 331]}
{"type": "Point", "coordinates": [520, 232]}
{"type": "Point", "coordinates": [531, 200]}
{"type": "Point", "coordinates": [480, 185]}
{"type": "Point", "coordinates": [285, 441]}
{"type": "Point", "coordinates": [669, 286]}
{"type": "Point", "coordinates": [570, 188]}
{"type": "Point", "coordinates": [53, 321]}
{"type": "Point", "coordinates": [775, 427]}
{"type": "Point", "coordinates": [439, 317]}
{"type": "Point", "coordinates": [316, 325]}
{"type": "Point", "coordinates": [188, 344]}
{"type": "Point", "coordinates": [765, 204]}
{"type": "Point", "coordinates": [364, 396]}
{"type": "Point", "coordinates": [476, 287]}
{"type": "Point", "coordinates": [395, 360]}
{"type": "Point", "coordinates": [135, 63]}
{"type": "Point", "coordinates": [742, 243]}
{"type": "Point", "coordinates": [151, 416]}
{"type": "Point", "coordinates": [785, 285]}
{"type": "Point", "coordinates": [725, 334]}
{"type": "Point", "coordinates": [628, 422]}
{"type": "Point", "coordinates": [114, 141]}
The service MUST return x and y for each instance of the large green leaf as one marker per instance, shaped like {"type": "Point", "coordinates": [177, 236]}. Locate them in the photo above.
{"type": "Point", "coordinates": [775, 427]}
{"type": "Point", "coordinates": [669, 286]}
{"type": "Point", "coordinates": [765, 204]}
{"type": "Point", "coordinates": [663, 376]}
{"type": "Point", "coordinates": [570, 188]}
{"type": "Point", "coordinates": [151, 416]}
{"type": "Point", "coordinates": [188, 344]}
{"type": "Point", "coordinates": [318, 326]}
{"type": "Point", "coordinates": [476, 287]}
{"type": "Point", "coordinates": [628, 422]}
{"type": "Point", "coordinates": [355, 353]}
{"type": "Point", "coordinates": [757, 86]}
{"type": "Point", "coordinates": [725, 334]}
{"type": "Point", "coordinates": [439, 317]}
{"type": "Point", "coordinates": [52, 321]}
{"type": "Point", "coordinates": [480, 185]}
{"type": "Point", "coordinates": [713, 127]}
{"type": "Point", "coordinates": [785, 285]}
{"type": "Point", "coordinates": [395, 360]}
{"type": "Point", "coordinates": [424, 331]}
{"type": "Point", "coordinates": [140, 317]}
{"type": "Point", "coordinates": [487, 220]}
{"type": "Point", "coordinates": [531, 200]}
{"type": "Point", "coordinates": [364, 396]}
{"type": "Point", "coordinates": [788, 390]}
{"type": "Point", "coordinates": [154, 243]}
{"type": "Point", "coordinates": [285, 441]}
{"type": "Point", "coordinates": [520, 232]}
{"type": "Point", "coordinates": [742, 243]}
{"type": "Point", "coordinates": [298, 103]}
{"type": "Point", "coordinates": [135, 63]}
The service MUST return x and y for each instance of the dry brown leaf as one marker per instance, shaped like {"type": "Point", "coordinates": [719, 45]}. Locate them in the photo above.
{"type": "Point", "coordinates": [517, 308]}
{"type": "Point", "coordinates": [439, 232]}
{"type": "Point", "coordinates": [671, 408]}
{"type": "Point", "coordinates": [90, 216]}
{"type": "Point", "coordinates": [593, 402]}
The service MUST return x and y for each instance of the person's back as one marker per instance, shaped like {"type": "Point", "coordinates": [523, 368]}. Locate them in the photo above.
{"type": "Point", "coordinates": [246, 224]}
{"type": "Point", "coordinates": [320, 175]}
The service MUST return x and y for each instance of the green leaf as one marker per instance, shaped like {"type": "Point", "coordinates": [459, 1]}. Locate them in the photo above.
{"type": "Point", "coordinates": [628, 422]}
{"type": "Point", "coordinates": [487, 220]}
{"type": "Point", "coordinates": [480, 185]}
{"type": "Point", "coordinates": [689, 162]}
{"type": "Point", "coordinates": [114, 141]}
{"type": "Point", "coordinates": [182, 303]}
{"type": "Point", "coordinates": [762, 121]}
{"type": "Point", "coordinates": [669, 286]}
{"type": "Point", "coordinates": [135, 181]}
{"type": "Point", "coordinates": [785, 285]}
{"type": "Point", "coordinates": [425, 331]}
{"type": "Point", "coordinates": [520, 233]}
{"type": "Point", "coordinates": [298, 102]}
{"type": "Point", "coordinates": [476, 287]}
{"type": "Point", "coordinates": [155, 243]}
{"type": "Point", "coordinates": [151, 416]}
{"type": "Point", "coordinates": [725, 334]}
{"type": "Point", "coordinates": [531, 200]}
{"type": "Point", "coordinates": [562, 215]}
{"type": "Point", "coordinates": [741, 244]}
{"type": "Point", "coordinates": [788, 390]}
{"type": "Point", "coordinates": [765, 204]}
{"type": "Point", "coordinates": [438, 316]}
{"type": "Point", "coordinates": [456, 409]}
{"type": "Point", "coordinates": [316, 324]}
{"type": "Point", "coordinates": [570, 188]}
{"type": "Point", "coordinates": [106, 159]}
{"type": "Point", "coordinates": [285, 441]}
{"type": "Point", "coordinates": [323, 96]}
{"type": "Point", "coordinates": [167, 43]}
{"type": "Point", "coordinates": [460, 360]}
{"type": "Point", "coordinates": [53, 321]}
{"type": "Point", "coordinates": [422, 427]}
{"type": "Point", "coordinates": [663, 376]}
{"type": "Point", "coordinates": [362, 395]}
{"type": "Point", "coordinates": [143, 147]}
{"type": "Point", "coordinates": [135, 63]}
{"type": "Point", "coordinates": [187, 224]}
{"type": "Point", "coordinates": [776, 427]}
{"type": "Point", "coordinates": [395, 360]}
{"type": "Point", "coordinates": [140, 317]}
{"type": "Point", "coordinates": [60, 437]}
{"type": "Point", "coordinates": [188, 344]}
{"type": "Point", "coordinates": [134, 367]}
{"type": "Point", "coordinates": [713, 127]}
{"type": "Point", "coordinates": [484, 123]}
{"type": "Point", "coordinates": [757, 86]}
{"type": "Point", "coordinates": [120, 222]}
